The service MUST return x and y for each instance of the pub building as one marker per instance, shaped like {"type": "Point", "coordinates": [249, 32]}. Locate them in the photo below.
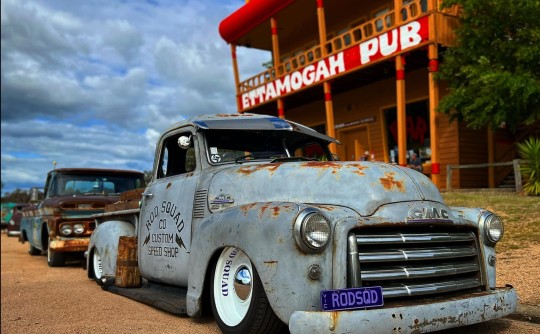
{"type": "Point", "coordinates": [364, 72]}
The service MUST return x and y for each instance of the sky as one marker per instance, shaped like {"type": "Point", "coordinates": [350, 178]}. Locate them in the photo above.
{"type": "Point", "coordinates": [93, 83]}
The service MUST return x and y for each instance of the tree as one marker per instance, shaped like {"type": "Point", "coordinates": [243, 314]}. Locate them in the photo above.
{"type": "Point", "coordinates": [17, 196]}
{"type": "Point", "coordinates": [494, 71]}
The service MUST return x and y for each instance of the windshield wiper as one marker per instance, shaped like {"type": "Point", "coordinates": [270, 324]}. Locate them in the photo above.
{"type": "Point", "coordinates": [293, 159]}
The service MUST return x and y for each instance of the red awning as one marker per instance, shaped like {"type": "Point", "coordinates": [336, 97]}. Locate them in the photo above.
{"type": "Point", "coordinates": [248, 17]}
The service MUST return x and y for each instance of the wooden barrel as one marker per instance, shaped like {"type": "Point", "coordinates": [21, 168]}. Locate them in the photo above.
{"type": "Point", "coordinates": [127, 268]}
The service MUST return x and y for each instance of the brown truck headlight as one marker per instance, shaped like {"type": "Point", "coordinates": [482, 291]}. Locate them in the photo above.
{"type": "Point", "coordinates": [312, 231]}
{"type": "Point", "coordinates": [493, 227]}
{"type": "Point", "coordinates": [66, 229]}
{"type": "Point", "coordinates": [78, 228]}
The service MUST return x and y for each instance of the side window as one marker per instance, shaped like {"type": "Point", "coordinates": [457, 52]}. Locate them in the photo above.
{"type": "Point", "coordinates": [177, 155]}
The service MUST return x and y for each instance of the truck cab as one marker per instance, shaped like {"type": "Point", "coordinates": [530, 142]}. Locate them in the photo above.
{"type": "Point", "coordinates": [253, 216]}
{"type": "Point", "coordinates": [61, 223]}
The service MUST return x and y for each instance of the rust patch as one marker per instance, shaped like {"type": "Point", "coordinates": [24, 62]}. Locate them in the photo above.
{"type": "Point", "coordinates": [326, 207]}
{"type": "Point", "coordinates": [388, 182]}
{"type": "Point", "coordinates": [252, 169]}
{"type": "Point", "coordinates": [276, 211]}
{"type": "Point", "coordinates": [271, 262]}
{"type": "Point", "coordinates": [322, 164]}
{"type": "Point", "coordinates": [248, 207]}
{"type": "Point", "coordinates": [263, 209]}
{"type": "Point", "coordinates": [168, 185]}
{"type": "Point", "coordinates": [359, 169]}
{"type": "Point", "coordinates": [334, 318]}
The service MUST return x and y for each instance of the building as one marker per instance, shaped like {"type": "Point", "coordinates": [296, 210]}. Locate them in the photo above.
{"type": "Point", "coordinates": [364, 72]}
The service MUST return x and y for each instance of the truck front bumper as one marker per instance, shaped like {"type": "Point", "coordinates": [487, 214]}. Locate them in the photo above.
{"type": "Point", "coordinates": [471, 309]}
{"type": "Point", "coordinates": [69, 245]}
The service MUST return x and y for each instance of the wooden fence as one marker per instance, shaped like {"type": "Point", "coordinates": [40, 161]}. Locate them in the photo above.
{"type": "Point", "coordinates": [515, 163]}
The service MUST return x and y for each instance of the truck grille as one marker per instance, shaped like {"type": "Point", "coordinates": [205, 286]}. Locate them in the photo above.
{"type": "Point", "coordinates": [414, 263]}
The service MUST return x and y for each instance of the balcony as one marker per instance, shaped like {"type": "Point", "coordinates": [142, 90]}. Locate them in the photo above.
{"type": "Point", "coordinates": [416, 16]}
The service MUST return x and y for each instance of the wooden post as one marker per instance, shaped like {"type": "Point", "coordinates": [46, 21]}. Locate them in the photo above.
{"type": "Point", "coordinates": [276, 56]}
{"type": "Point", "coordinates": [127, 267]}
{"type": "Point", "coordinates": [433, 115]}
{"type": "Point", "coordinates": [236, 77]}
{"type": "Point", "coordinates": [517, 176]}
{"type": "Point", "coordinates": [491, 158]}
{"type": "Point", "coordinates": [401, 113]}
{"type": "Point", "coordinates": [328, 103]}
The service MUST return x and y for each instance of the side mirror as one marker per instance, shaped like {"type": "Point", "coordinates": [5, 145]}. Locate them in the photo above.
{"type": "Point", "coordinates": [34, 194]}
{"type": "Point", "coordinates": [184, 142]}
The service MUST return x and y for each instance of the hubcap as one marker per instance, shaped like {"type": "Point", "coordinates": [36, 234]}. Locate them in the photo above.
{"type": "Point", "coordinates": [242, 283]}
{"type": "Point", "coordinates": [98, 266]}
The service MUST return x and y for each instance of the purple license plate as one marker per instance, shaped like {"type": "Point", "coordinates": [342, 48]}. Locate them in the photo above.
{"type": "Point", "coordinates": [353, 298]}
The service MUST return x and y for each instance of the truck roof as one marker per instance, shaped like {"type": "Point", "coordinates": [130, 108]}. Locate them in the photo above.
{"type": "Point", "coordinates": [248, 122]}
{"type": "Point", "coordinates": [94, 170]}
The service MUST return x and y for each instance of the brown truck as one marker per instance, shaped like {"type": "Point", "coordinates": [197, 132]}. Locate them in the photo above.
{"type": "Point", "coordinates": [61, 223]}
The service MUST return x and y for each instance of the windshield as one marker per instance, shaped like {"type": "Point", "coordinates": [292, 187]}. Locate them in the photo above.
{"type": "Point", "coordinates": [244, 145]}
{"type": "Point", "coordinates": [93, 184]}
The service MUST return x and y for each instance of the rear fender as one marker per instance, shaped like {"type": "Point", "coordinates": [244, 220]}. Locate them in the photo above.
{"type": "Point", "coordinates": [104, 239]}
{"type": "Point", "coordinates": [264, 232]}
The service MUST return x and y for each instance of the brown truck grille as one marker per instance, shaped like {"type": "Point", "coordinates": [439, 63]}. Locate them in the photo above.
{"type": "Point", "coordinates": [414, 263]}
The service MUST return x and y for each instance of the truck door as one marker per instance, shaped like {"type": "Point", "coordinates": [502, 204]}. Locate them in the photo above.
{"type": "Point", "coordinates": [165, 228]}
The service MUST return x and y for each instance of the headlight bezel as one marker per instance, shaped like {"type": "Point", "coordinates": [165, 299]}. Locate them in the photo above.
{"type": "Point", "coordinates": [76, 226]}
{"type": "Point", "coordinates": [487, 223]}
{"type": "Point", "coordinates": [64, 228]}
{"type": "Point", "coordinates": [305, 217]}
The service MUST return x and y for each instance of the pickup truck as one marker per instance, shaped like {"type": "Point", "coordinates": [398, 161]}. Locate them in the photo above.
{"type": "Point", "coordinates": [61, 223]}
{"type": "Point", "coordinates": [251, 217]}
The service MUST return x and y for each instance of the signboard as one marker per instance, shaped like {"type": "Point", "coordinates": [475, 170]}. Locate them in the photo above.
{"type": "Point", "coordinates": [392, 42]}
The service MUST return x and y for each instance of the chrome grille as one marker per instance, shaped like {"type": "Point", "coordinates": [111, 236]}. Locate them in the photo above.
{"type": "Point", "coordinates": [414, 263]}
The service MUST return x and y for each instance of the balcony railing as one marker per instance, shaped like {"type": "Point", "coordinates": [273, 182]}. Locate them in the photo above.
{"type": "Point", "coordinates": [354, 36]}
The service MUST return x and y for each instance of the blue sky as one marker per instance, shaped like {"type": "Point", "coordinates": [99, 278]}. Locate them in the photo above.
{"type": "Point", "coordinates": [93, 83]}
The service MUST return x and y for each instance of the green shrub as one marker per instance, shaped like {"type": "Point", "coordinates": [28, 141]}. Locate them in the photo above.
{"type": "Point", "coordinates": [529, 150]}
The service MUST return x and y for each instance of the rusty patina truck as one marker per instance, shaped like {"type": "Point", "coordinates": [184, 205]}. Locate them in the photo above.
{"type": "Point", "coordinates": [252, 217]}
{"type": "Point", "coordinates": [61, 223]}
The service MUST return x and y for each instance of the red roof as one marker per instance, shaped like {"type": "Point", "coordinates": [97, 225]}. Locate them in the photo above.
{"type": "Point", "coordinates": [248, 17]}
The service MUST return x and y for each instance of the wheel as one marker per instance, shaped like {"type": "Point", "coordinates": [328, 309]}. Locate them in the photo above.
{"type": "Point", "coordinates": [239, 302]}
{"type": "Point", "coordinates": [55, 259]}
{"type": "Point", "coordinates": [33, 250]}
{"type": "Point", "coordinates": [97, 266]}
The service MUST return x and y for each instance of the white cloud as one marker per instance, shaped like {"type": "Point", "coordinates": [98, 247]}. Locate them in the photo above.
{"type": "Point", "coordinates": [94, 83]}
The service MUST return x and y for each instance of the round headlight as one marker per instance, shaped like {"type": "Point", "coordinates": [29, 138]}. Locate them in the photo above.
{"type": "Point", "coordinates": [493, 228]}
{"type": "Point", "coordinates": [78, 228]}
{"type": "Point", "coordinates": [66, 229]}
{"type": "Point", "coordinates": [312, 231]}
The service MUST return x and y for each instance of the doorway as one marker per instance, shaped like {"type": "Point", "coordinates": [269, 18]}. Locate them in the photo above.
{"type": "Point", "coordinates": [354, 143]}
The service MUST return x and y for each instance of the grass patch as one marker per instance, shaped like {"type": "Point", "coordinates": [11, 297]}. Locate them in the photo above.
{"type": "Point", "coordinates": [520, 214]}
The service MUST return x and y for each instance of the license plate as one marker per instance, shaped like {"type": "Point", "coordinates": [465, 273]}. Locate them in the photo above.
{"type": "Point", "coordinates": [353, 298]}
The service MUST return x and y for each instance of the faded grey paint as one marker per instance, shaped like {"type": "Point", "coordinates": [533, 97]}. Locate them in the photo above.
{"type": "Point", "coordinates": [262, 203]}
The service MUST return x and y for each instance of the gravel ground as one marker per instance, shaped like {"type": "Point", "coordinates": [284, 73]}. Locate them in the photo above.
{"type": "Point", "coordinates": [39, 299]}
{"type": "Point", "coordinates": [521, 269]}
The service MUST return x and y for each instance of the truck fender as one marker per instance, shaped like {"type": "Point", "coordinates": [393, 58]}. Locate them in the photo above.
{"type": "Point", "coordinates": [489, 255]}
{"type": "Point", "coordinates": [104, 240]}
{"type": "Point", "coordinates": [264, 232]}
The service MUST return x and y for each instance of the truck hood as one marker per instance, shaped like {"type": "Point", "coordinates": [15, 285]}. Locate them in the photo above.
{"type": "Point", "coordinates": [361, 186]}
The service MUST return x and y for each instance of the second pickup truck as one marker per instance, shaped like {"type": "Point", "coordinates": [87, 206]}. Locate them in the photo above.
{"type": "Point", "coordinates": [61, 224]}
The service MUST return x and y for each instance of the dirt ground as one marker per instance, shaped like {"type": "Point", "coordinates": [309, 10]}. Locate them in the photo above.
{"type": "Point", "coordinates": [39, 299]}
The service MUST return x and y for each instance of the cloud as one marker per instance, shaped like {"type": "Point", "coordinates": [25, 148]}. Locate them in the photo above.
{"type": "Point", "coordinates": [94, 83]}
